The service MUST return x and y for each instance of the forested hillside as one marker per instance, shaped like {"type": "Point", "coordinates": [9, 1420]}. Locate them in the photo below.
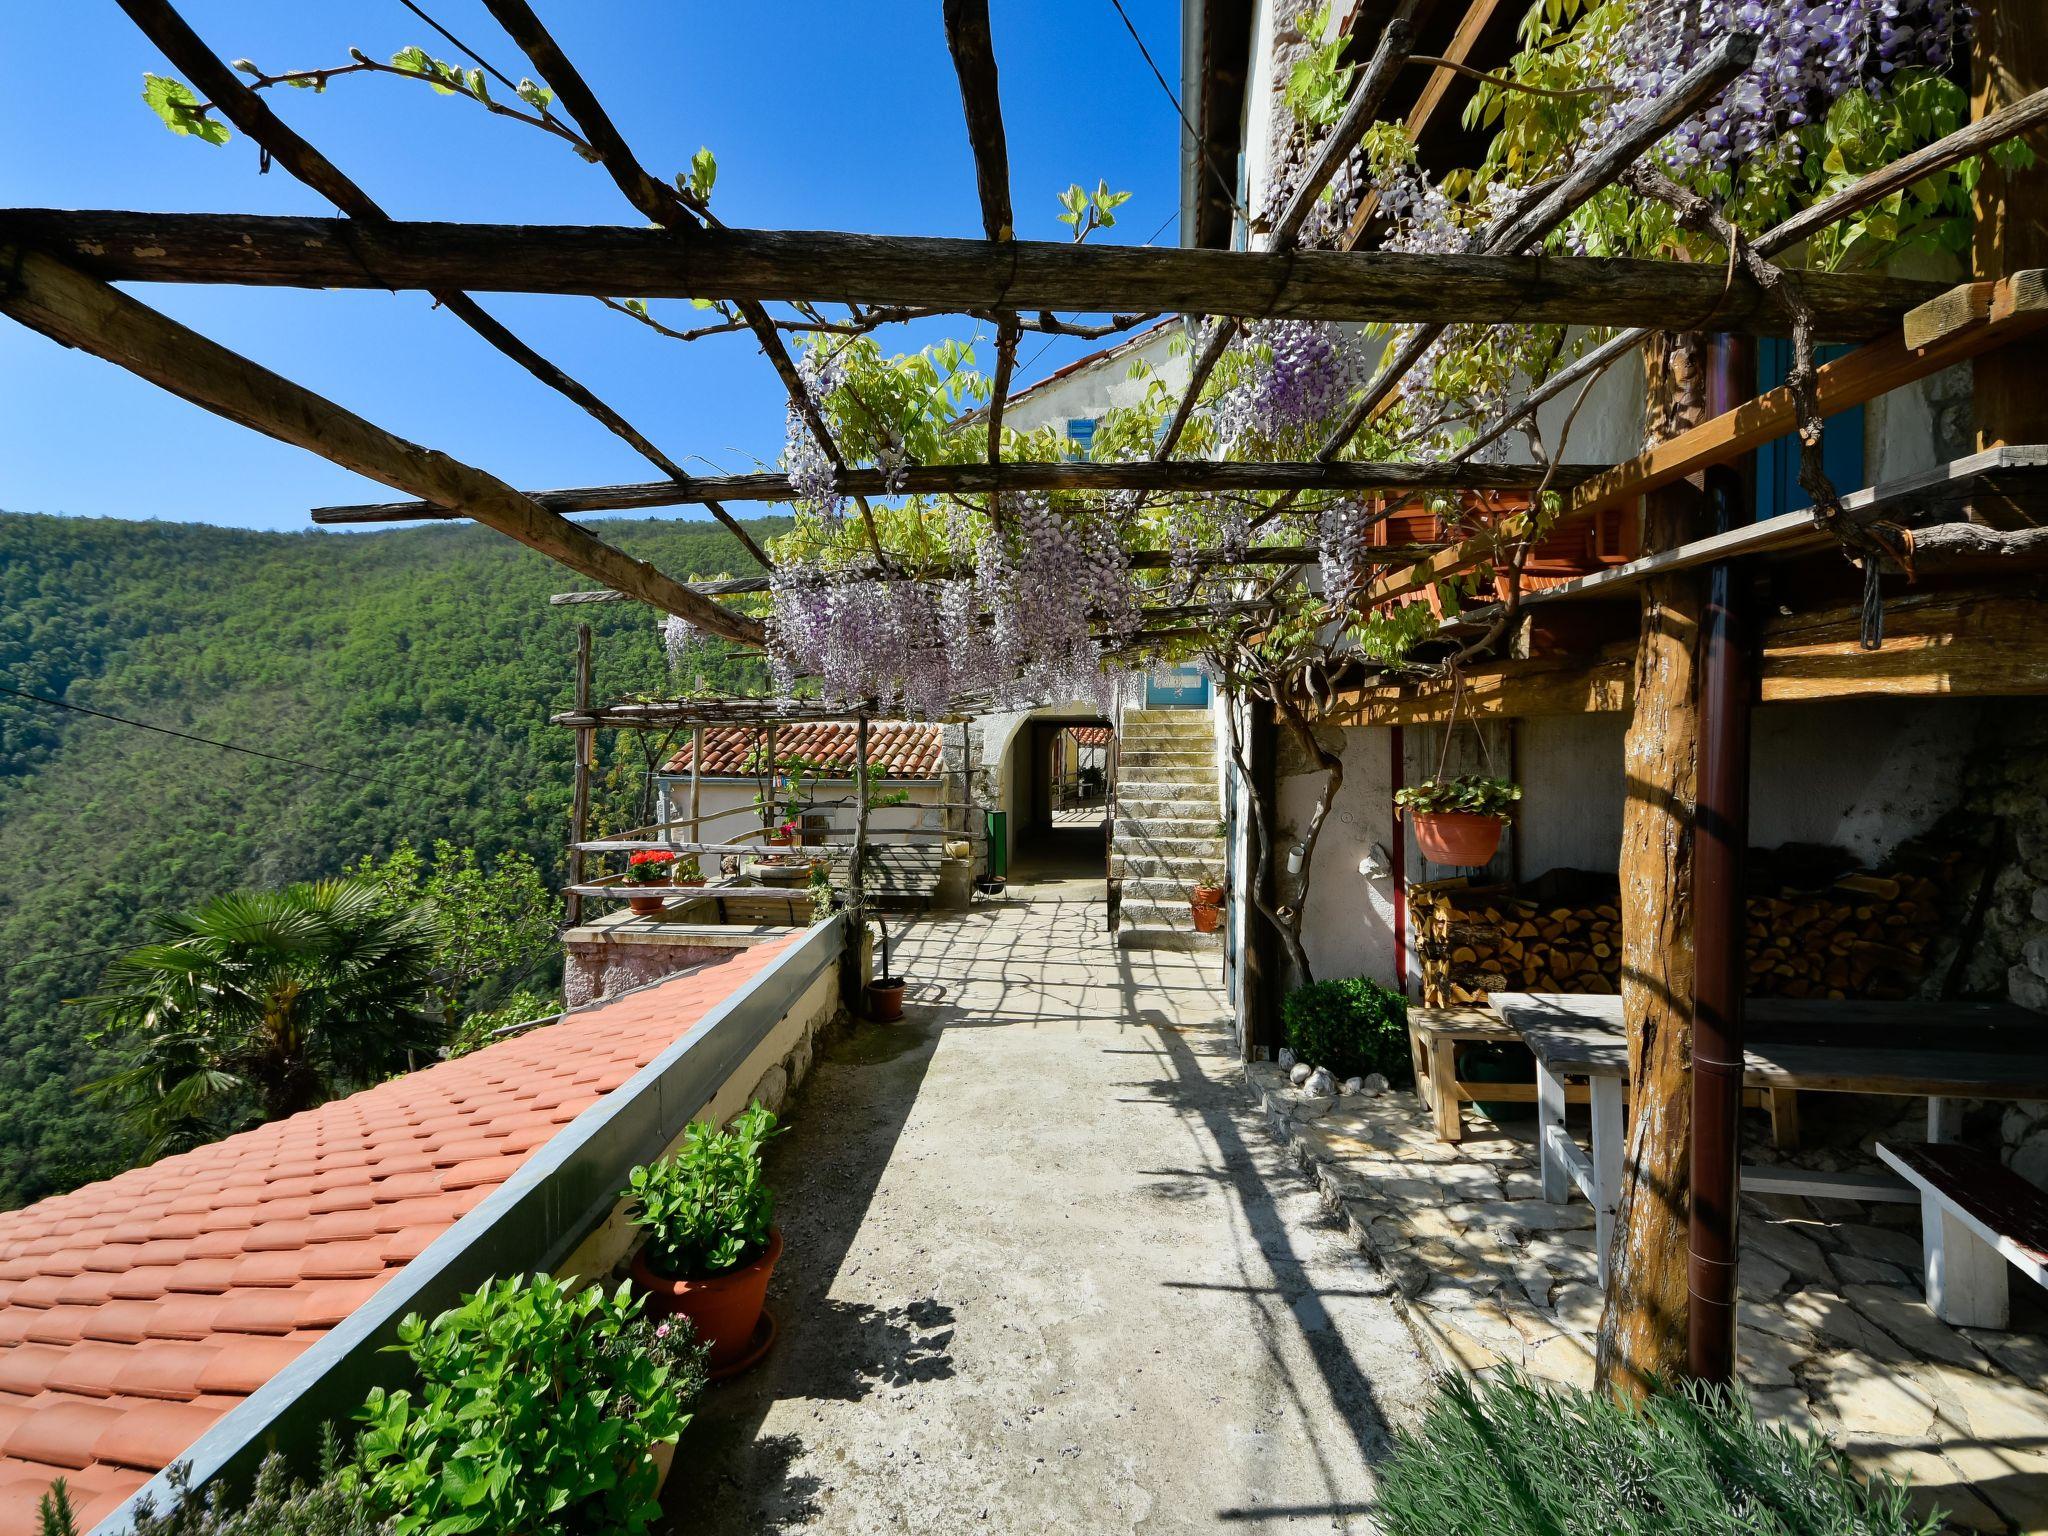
{"type": "Point", "coordinates": [413, 669]}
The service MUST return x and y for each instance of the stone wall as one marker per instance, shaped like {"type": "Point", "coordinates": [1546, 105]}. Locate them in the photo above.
{"type": "Point", "coordinates": [2007, 791]}
{"type": "Point", "coordinates": [595, 969]}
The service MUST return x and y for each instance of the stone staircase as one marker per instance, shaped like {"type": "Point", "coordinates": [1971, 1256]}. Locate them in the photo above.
{"type": "Point", "coordinates": [1165, 841]}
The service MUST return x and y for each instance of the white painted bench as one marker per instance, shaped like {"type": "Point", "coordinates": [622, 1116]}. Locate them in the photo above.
{"type": "Point", "coordinates": [1976, 1217]}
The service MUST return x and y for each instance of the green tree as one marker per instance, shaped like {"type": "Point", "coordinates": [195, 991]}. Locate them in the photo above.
{"type": "Point", "coordinates": [257, 1006]}
{"type": "Point", "coordinates": [497, 926]}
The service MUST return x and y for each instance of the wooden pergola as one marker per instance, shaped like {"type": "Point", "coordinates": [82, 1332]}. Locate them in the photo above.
{"type": "Point", "coordinates": [58, 268]}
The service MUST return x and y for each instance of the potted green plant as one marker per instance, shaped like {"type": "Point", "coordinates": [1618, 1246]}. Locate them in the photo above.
{"type": "Point", "coordinates": [1458, 820]}
{"type": "Point", "coordinates": [710, 1245]}
{"type": "Point", "coordinates": [885, 992]}
{"type": "Point", "coordinates": [648, 866]}
{"type": "Point", "coordinates": [686, 870]}
{"type": "Point", "coordinates": [1205, 902]}
{"type": "Point", "coordinates": [539, 1409]}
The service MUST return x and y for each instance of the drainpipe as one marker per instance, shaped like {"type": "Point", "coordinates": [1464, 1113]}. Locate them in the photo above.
{"type": "Point", "coordinates": [1397, 846]}
{"type": "Point", "coordinates": [1720, 842]}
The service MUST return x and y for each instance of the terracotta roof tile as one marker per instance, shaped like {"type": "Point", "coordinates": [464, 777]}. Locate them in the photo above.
{"type": "Point", "coordinates": [906, 749]}
{"type": "Point", "coordinates": [135, 1312]}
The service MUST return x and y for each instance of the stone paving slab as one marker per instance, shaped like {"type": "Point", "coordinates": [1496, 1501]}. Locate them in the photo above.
{"type": "Point", "coordinates": [1834, 1332]}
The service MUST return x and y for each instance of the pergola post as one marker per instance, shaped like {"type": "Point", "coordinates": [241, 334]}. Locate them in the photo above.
{"type": "Point", "coordinates": [1642, 1329]}
{"type": "Point", "coordinates": [579, 799]}
{"type": "Point", "coordinates": [854, 975]}
{"type": "Point", "coordinates": [696, 782]}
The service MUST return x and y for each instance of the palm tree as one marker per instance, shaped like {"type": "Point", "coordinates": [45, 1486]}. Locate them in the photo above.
{"type": "Point", "coordinates": [257, 1006]}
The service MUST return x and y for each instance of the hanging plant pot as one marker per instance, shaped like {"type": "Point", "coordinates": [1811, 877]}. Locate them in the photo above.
{"type": "Point", "coordinates": [646, 906]}
{"type": "Point", "coordinates": [885, 999]}
{"type": "Point", "coordinates": [725, 1309]}
{"type": "Point", "coordinates": [1208, 917]}
{"type": "Point", "coordinates": [1458, 838]}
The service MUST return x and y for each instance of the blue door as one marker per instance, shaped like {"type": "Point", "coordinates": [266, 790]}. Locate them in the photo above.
{"type": "Point", "coordinates": [1183, 687]}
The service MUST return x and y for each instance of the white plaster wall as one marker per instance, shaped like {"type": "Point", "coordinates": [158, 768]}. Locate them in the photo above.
{"type": "Point", "coordinates": [1091, 390]}
{"type": "Point", "coordinates": [1858, 774]}
{"type": "Point", "coordinates": [1260, 102]}
{"type": "Point", "coordinates": [1572, 795]}
{"type": "Point", "coordinates": [1349, 926]}
{"type": "Point", "coordinates": [1862, 774]}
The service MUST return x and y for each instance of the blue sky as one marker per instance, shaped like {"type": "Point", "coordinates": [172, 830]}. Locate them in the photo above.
{"type": "Point", "coordinates": [822, 115]}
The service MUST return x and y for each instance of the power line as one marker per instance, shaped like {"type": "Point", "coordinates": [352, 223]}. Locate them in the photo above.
{"type": "Point", "coordinates": [164, 730]}
{"type": "Point", "coordinates": [1229, 194]}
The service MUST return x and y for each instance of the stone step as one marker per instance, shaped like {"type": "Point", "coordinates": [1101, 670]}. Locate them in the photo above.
{"type": "Point", "coordinates": [1179, 829]}
{"type": "Point", "coordinates": [1153, 738]}
{"type": "Point", "coordinates": [1194, 808]}
{"type": "Point", "coordinates": [1185, 940]}
{"type": "Point", "coordinates": [1129, 759]}
{"type": "Point", "coordinates": [1167, 891]}
{"type": "Point", "coordinates": [1156, 787]}
{"type": "Point", "coordinates": [1138, 864]}
{"type": "Point", "coordinates": [1207, 850]}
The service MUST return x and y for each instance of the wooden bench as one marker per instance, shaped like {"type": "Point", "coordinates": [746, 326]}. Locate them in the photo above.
{"type": "Point", "coordinates": [1976, 1217]}
{"type": "Point", "coordinates": [1434, 1035]}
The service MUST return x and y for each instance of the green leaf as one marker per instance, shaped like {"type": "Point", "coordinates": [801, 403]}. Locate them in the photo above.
{"type": "Point", "coordinates": [703, 174]}
{"type": "Point", "coordinates": [173, 101]}
{"type": "Point", "coordinates": [539, 97]}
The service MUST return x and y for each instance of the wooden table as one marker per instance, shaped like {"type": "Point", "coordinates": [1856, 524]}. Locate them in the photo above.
{"type": "Point", "coordinates": [1944, 1052]}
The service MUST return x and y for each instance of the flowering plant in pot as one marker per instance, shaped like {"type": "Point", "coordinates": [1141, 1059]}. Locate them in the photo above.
{"type": "Point", "coordinates": [710, 1243]}
{"type": "Point", "coordinates": [1458, 820]}
{"type": "Point", "coordinates": [648, 866]}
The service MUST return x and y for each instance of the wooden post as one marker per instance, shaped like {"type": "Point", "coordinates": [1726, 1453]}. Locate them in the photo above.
{"type": "Point", "coordinates": [2009, 61]}
{"type": "Point", "coordinates": [768, 811]}
{"type": "Point", "coordinates": [579, 800]}
{"type": "Point", "coordinates": [1642, 1329]}
{"type": "Point", "coordinates": [696, 783]}
{"type": "Point", "coordinates": [854, 976]}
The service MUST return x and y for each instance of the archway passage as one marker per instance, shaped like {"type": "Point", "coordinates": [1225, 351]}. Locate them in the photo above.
{"type": "Point", "coordinates": [1064, 770]}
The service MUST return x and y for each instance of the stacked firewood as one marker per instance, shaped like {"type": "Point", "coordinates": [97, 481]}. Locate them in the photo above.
{"type": "Point", "coordinates": [1863, 934]}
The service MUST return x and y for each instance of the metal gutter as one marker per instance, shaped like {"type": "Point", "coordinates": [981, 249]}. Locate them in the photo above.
{"type": "Point", "coordinates": [529, 1224]}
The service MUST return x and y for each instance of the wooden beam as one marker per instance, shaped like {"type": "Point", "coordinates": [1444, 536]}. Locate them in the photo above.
{"type": "Point", "coordinates": [1359, 115]}
{"type": "Point", "coordinates": [1471, 26]}
{"type": "Point", "coordinates": [967, 275]}
{"type": "Point", "coordinates": [974, 62]}
{"type": "Point", "coordinates": [2009, 60]}
{"type": "Point", "coordinates": [2017, 307]}
{"type": "Point", "coordinates": [240, 104]}
{"type": "Point", "coordinates": [1207, 476]}
{"type": "Point", "coordinates": [1977, 643]}
{"type": "Point", "coordinates": [79, 311]}
{"type": "Point", "coordinates": [1530, 223]}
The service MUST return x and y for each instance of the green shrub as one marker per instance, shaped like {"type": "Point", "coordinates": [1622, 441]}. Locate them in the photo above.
{"type": "Point", "coordinates": [706, 1208]}
{"type": "Point", "coordinates": [278, 1504]}
{"type": "Point", "coordinates": [1352, 1026]}
{"type": "Point", "coordinates": [1513, 1457]}
{"type": "Point", "coordinates": [537, 1408]}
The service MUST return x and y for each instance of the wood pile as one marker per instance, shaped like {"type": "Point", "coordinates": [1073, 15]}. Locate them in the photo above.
{"type": "Point", "coordinates": [1862, 934]}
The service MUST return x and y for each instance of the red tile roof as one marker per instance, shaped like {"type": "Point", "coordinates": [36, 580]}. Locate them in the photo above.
{"type": "Point", "coordinates": [137, 1311]}
{"type": "Point", "coordinates": [907, 749]}
{"type": "Point", "coordinates": [1089, 735]}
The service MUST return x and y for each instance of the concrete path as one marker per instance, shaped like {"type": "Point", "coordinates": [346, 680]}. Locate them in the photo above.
{"type": "Point", "coordinates": [1045, 1273]}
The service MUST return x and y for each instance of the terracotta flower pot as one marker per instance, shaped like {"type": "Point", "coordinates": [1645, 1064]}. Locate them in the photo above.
{"type": "Point", "coordinates": [1457, 837]}
{"type": "Point", "coordinates": [1208, 918]}
{"type": "Point", "coordinates": [725, 1310]}
{"type": "Point", "coordinates": [1207, 896]}
{"type": "Point", "coordinates": [647, 906]}
{"type": "Point", "coordinates": [885, 999]}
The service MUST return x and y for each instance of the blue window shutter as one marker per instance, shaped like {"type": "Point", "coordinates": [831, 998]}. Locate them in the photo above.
{"type": "Point", "coordinates": [1777, 463]}
{"type": "Point", "coordinates": [1081, 429]}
